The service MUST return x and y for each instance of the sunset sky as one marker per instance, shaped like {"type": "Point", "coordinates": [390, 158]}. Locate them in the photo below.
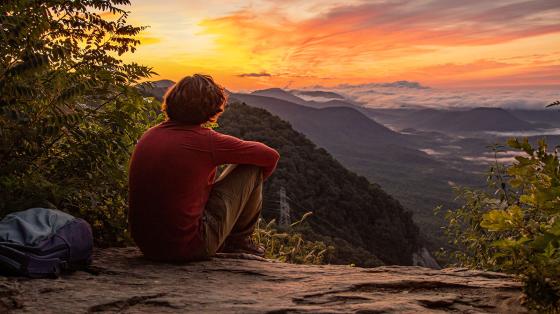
{"type": "Point", "coordinates": [295, 43]}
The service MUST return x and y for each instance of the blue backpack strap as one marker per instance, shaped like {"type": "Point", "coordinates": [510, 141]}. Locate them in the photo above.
{"type": "Point", "coordinates": [13, 261]}
{"type": "Point", "coordinates": [45, 267]}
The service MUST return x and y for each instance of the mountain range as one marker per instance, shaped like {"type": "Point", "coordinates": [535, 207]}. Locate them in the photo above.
{"type": "Point", "coordinates": [393, 160]}
{"type": "Point", "coordinates": [464, 120]}
{"type": "Point", "coordinates": [327, 99]}
{"type": "Point", "coordinates": [417, 166]}
{"type": "Point", "coordinates": [318, 93]}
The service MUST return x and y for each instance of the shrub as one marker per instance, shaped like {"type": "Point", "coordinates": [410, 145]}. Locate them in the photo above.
{"type": "Point", "coordinates": [287, 245]}
{"type": "Point", "coordinates": [69, 115]}
{"type": "Point", "coordinates": [514, 225]}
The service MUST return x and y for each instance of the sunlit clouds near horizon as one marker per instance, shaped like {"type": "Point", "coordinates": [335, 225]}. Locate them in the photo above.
{"type": "Point", "coordinates": [407, 95]}
{"type": "Point", "coordinates": [295, 43]}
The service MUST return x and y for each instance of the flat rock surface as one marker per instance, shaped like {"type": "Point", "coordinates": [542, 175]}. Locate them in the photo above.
{"type": "Point", "coordinates": [122, 281]}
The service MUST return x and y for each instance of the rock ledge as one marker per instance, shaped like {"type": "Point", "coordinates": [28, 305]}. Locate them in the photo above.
{"type": "Point", "coordinates": [122, 281]}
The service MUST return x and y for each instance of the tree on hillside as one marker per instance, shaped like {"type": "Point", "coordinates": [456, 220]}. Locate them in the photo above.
{"type": "Point", "coordinates": [68, 112]}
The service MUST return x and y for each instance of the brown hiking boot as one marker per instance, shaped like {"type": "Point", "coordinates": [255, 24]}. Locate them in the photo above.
{"type": "Point", "coordinates": [246, 246]}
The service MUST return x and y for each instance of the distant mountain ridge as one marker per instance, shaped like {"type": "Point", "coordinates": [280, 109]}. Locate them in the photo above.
{"type": "Point", "coordinates": [279, 93]}
{"type": "Point", "coordinates": [318, 93]}
{"type": "Point", "coordinates": [335, 128]}
{"type": "Point", "coordinates": [478, 119]}
{"type": "Point", "coordinates": [465, 120]}
{"type": "Point", "coordinates": [293, 97]}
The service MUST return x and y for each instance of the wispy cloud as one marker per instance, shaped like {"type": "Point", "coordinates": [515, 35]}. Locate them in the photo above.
{"type": "Point", "coordinates": [397, 84]}
{"type": "Point", "coordinates": [260, 74]}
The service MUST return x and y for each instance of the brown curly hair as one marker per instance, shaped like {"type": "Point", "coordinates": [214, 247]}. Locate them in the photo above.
{"type": "Point", "coordinates": [194, 99]}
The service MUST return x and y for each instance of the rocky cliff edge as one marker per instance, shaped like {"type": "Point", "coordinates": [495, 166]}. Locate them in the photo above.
{"type": "Point", "coordinates": [122, 281]}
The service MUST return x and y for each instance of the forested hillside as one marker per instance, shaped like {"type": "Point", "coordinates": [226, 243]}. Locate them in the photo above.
{"type": "Point", "coordinates": [348, 211]}
{"type": "Point", "coordinates": [391, 159]}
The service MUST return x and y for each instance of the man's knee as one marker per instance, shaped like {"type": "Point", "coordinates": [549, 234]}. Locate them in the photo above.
{"type": "Point", "coordinates": [236, 178]}
{"type": "Point", "coordinates": [252, 169]}
{"type": "Point", "coordinates": [247, 171]}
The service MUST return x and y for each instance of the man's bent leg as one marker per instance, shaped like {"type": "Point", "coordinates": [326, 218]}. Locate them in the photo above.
{"type": "Point", "coordinates": [249, 215]}
{"type": "Point", "coordinates": [234, 205]}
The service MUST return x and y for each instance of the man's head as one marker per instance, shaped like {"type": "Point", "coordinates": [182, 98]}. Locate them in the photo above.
{"type": "Point", "coordinates": [194, 100]}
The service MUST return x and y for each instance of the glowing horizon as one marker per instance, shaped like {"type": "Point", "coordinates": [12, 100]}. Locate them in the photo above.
{"type": "Point", "coordinates": [441, 43]}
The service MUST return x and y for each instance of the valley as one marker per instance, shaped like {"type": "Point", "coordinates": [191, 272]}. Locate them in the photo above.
{"type": "Point", "coordinates": [417, 155]}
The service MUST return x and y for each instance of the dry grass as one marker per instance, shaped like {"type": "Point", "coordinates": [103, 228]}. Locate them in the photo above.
{"type": "Point", "coordinates": [287, 245]}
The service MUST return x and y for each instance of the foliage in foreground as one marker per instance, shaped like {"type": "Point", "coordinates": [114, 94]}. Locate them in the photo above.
{"type": "Point", "coordinates": [69, 116]}
{"type": "Point", "coordinates": [287, 245]}
{"type": "Point", "coordinates": [514, 225]}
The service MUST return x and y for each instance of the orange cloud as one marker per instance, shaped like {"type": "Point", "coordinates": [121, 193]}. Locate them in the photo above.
{"type": "Point", "coordinates": [454, 71]}
{"type": "Point", "coordinates": [526, 76]}
{"type": "Point", "coordinates": [437, 42]}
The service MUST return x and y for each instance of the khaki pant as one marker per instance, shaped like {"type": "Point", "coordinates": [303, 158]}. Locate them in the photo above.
{"type": "Point", "coordinates": [233, 207]}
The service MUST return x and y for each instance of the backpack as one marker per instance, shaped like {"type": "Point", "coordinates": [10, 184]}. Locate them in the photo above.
{"type": "Point", "coordinates": [41, 242]}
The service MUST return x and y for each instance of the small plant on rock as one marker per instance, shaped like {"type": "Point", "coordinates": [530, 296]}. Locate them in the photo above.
{"type": "Point", "coordinates": [287, 245]}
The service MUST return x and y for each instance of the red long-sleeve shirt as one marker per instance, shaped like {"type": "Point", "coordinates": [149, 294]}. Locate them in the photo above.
{"type": "Point", "coordinates": [171, 174]}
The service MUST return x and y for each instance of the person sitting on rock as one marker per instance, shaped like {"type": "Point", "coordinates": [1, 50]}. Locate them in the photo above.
{"type": "Point", "coordinates": [178, 210]}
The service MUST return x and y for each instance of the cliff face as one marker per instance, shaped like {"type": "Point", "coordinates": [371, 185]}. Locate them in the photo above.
{"type": "Point", "coordinates": [122, 281]}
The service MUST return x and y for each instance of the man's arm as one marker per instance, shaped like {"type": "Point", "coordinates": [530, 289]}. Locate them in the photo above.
{"type": "Point", "coordinates": [228, 149]}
